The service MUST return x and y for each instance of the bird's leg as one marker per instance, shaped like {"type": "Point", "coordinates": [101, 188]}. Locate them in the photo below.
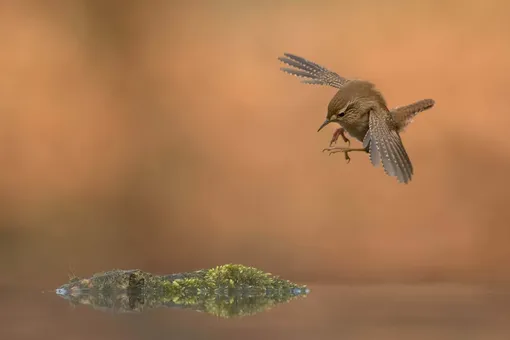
{"type": "Point", "coordinates": [339, 132]}
{"type": "Point", "coordinates": [346, 151]}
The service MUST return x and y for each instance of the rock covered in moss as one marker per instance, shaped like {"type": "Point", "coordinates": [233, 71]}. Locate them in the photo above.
{"type": "Point", "coordinates": [223, 279]}
{"type": "Point", "coordinates": [227, 290]}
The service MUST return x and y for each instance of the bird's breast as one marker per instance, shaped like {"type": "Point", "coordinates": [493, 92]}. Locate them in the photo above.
{"type": "Point", "coordinates": [356, 130]}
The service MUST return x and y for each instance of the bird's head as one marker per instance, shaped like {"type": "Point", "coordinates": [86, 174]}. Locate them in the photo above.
{"type": "Point", "coordinates": [351, 102]}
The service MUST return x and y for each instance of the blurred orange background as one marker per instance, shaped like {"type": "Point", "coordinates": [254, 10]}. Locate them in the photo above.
{"type": "Point", "coordinates": [162, 136]}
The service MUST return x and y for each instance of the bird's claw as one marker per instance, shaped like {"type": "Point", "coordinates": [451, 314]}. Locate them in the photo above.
{"type": "Point", "coordinates": [339, 132]}
{"type": "Point", "coordinates": [336, 150]}
{"type": "Point", "coordinates": [347, 158]}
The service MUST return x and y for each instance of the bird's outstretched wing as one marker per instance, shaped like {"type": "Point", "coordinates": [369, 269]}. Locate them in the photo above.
{"type": "Point", "coordinates": [384, 144]}
{"type": "Point", "coordinates": [313, 73]}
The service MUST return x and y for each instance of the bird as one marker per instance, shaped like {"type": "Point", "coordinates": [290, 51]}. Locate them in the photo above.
{"type": "Point", "coordinates": [361, 110]}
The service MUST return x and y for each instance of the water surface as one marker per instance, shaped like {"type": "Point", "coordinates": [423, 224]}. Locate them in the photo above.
{"type": "Point", "coordinates": [438, 311]}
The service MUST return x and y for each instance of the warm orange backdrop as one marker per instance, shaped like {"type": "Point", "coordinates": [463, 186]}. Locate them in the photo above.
{"type": "Point", "coordinates": [162, 135]}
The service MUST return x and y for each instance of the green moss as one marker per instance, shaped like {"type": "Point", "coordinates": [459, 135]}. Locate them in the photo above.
{"type": "Point", "coordinates": [232, 275]}
{"type": "Point", "coordinates": [228, 277]}
{"type": "Point", "coordinates": [225, 291]}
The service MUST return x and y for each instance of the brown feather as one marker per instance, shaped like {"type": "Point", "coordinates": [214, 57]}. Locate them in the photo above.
{"type": "Point", "coordinates": [314, 73]}
{"type": "Point", "coordinates": [388, 144]}
{"type": "Point", "coordinates": [404, 115]}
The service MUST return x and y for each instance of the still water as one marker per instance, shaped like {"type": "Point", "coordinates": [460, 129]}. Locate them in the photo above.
{"type": "Point", "coordinates": [435, 311]}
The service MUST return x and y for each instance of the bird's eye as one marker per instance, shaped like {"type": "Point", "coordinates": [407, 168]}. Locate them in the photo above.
{"type": "Point", "coordinates": [341, 114]}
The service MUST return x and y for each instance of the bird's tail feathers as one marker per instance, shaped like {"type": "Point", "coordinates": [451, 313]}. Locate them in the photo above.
{"type": "Point", "coordinates": [404, 115]}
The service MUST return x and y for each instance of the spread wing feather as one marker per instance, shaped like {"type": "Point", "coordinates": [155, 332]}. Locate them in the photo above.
{"type": "Point", "coordinates": [373, 153]}
{"type": "Point", "coordinates": [312, 72]}
{"type": "Point", "coordinates": [386, 145]}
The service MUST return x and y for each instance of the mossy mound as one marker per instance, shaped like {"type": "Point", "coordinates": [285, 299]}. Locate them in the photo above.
{"type": "Point", "coordinates": [226, 291]}
{"type": "Point", "coordinates": [223, 279]}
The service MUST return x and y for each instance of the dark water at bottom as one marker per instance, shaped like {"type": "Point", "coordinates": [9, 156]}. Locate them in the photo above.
{"type": "Point", "coordinates": [329, 312]}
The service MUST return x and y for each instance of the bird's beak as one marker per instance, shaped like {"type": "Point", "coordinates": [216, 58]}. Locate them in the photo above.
{"type": "Point", "coordinates": [326, 122]}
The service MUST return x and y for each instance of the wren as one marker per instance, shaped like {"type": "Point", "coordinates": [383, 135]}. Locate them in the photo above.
{"type": "Point", "coordinates": [361, 111]}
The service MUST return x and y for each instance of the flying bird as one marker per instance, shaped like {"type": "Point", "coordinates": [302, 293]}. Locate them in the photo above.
{"type": "Point", "coordinates": [361, 111]}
